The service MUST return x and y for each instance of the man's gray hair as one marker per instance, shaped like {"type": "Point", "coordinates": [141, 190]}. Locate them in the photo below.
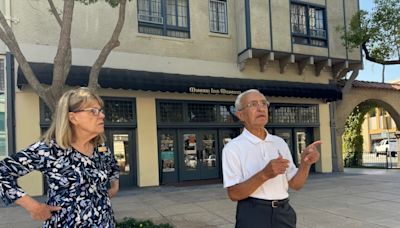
{"type": "Point", "coordinates": [239, 98]}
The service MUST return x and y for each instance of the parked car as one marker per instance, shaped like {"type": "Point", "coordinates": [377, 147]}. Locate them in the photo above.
{"type": "Point", "coordinates": [385, 147]}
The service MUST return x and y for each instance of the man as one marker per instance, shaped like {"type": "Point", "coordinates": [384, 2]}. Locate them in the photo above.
{"type": "Point", "coordinates": [258, 168]}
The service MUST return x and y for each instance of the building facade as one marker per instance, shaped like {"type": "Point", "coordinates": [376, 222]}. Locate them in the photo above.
{"type": "Point", "coordinates": [377, 125]}
{"type": "Point", "coordinates": [169, 88]}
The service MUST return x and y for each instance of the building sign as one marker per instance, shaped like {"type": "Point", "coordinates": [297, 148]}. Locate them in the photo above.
{"type": "Point", "coordinates": [221, 91]}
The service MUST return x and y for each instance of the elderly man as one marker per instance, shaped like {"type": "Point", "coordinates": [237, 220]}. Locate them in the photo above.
{"type": "Point", "coordinates": [258, 168]}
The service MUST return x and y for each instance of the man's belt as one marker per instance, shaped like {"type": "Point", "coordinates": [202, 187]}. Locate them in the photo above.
{"type": "Point", "coordinates": [271, 203]}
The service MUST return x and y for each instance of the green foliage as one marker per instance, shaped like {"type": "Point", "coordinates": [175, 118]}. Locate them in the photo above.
{"type": "Point", "coordinates": [133, 223]}
{"type": "Point", "coordinates": [352, 138]}
{"type": "Point", "coordinates": [379, 30]}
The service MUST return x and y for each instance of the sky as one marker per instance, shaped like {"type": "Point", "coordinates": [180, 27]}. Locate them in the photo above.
{"type": "Point", "coordinates": [373, 71]}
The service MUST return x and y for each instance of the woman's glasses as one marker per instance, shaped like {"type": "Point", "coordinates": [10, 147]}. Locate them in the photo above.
{"type": "Point", "coordinates": [94, 111]}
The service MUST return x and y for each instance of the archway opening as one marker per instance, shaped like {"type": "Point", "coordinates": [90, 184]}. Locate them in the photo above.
{"type": "Point", "coordinates": [369, 138]}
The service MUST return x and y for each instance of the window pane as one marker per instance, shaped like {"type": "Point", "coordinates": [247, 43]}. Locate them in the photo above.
{"type": "Point", "coordinates": [171, 112]}
{"type": "Point", "coordinates": [298, 19]}
{"type": "Point", "coordinates": [182, 13]}
{"type": "Point", "coordinates": [300, 40]}
{"type": "Point", "coordinates": [311, 32]}
{"type": "Point", "coordinates": [119, 111]}
{"type": "Point", "coordinates": [227, 114]}
{"type": "Point", "coordinates": [121, 152]}
{"type": "Point", "coordinates": [150, 30]}
{"type": "Point", "coordinates": [317, 23]}
{"type": "Point", "coordinates": [177, 13]}
{"type": "Point", "coordinates": [164, 17]}
{"type": "Point", "coordinates": [150, 11]}
{"type": "Point", "coordinates": [167, 152]}
{"type": "Point", "coordinates": [218, 16]}
{"type": "Point", "coordinates": [171, 12]}
{"type": "Point", "coordinates": [294, 114]}
{"type": "Point", "coordinates": [177, 34]}
{"type": "Point", "coordinates": [202, 112]}
{"type": "Point", "coordinates": [321, 43]}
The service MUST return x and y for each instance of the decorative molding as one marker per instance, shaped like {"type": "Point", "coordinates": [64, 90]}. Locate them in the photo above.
{"type": "Point", "coordinates": [264, 60]}
{"type": "Point", "coordinates": [283, 62]}
{"type": "Point", "coordinates": [242, 58]}
{"type": "Point", "coordinates": [303, 63]}
{"type": "Point", "coordinates": [319, 66]}
{"type": "Point", "coordinates": [338, 70]}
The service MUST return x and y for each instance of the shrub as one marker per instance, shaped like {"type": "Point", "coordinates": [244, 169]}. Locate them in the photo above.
{"type": "Point", "coordinates": [133, 223]}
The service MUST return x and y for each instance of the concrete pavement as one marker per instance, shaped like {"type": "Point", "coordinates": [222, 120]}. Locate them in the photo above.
{"type": "Point", "coordinates": [358, 198]}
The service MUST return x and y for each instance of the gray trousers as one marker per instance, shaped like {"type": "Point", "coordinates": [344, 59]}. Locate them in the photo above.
{"type": "Point", "coordinates": [257, 213]}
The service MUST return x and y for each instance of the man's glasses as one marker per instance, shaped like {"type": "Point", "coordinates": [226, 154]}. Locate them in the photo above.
{"type": "Point", "coordinates": [256, 104]}
{"type": "Point", "coordinates": [94, 111]}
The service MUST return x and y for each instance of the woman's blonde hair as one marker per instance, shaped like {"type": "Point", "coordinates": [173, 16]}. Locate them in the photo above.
{"type": "Point", "coordinates": [60, 129]}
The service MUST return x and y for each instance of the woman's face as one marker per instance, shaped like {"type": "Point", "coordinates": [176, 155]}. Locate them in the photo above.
{"type": "Point", "coordinates": [89, 119]}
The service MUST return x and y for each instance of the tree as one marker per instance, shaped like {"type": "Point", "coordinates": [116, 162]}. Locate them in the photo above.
{"type": "Point", "coordinates": [62, 61]}
{"type": "Point", "coordinates": [377, 32]}
{"type": "Point", "coordinates": [352, 137]}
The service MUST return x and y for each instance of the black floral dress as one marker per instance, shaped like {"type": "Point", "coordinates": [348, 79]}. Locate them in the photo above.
{"type": "Point", "coordinates": [77, 183]}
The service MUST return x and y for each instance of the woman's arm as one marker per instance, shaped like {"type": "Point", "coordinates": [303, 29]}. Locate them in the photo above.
{"type": "Point", "coordinates": [38, 211]}
{"type": "Point", "coordinates": [114, 188]}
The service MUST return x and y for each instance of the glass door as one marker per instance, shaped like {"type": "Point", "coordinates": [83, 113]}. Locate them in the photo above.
{"type": "Point", "coordinates": [225, 136]}
{"type": "Point", "coordinates": [168, 156]}
{"type": "Point", "coordinates": [198, 154]}
{"type": "Point", "coordinates": [303, 137]}
{"type": "Point", "coordinates": [121, 144]}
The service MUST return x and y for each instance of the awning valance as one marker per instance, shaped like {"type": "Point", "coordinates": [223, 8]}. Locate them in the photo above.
{"type": "Point", "coordinates": [167, 82]}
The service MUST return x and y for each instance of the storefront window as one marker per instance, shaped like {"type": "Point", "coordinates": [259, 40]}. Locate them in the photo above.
{"type": "Point", "coordinates": [119, 111]}
{"type": "Point", "coordinates": [287, 114]}
{"type": "Point", "coordinates": [171, 112]}
{"type": "Point", "coordinates": [227, 113]}
{"type": "Point", "coordinates": [202, 112]}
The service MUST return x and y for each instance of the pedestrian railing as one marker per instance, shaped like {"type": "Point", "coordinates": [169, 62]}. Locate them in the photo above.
{"type": "Point", "coordinates": [389, 160]}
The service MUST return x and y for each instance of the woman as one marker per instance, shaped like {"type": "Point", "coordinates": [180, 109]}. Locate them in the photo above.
{"type": "Point", "coordinates": [78, 167]}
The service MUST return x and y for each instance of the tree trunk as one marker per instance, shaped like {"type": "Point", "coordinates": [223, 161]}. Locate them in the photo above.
{"type": "Point", "coordinates": [111, 44]}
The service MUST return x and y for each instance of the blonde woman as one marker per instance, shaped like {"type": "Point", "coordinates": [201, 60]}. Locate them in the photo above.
{"type": "Point", "coordinates": [81, 171]}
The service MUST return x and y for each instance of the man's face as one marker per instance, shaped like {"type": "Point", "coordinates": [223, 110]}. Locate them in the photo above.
{"type": "Point", "coordinates": [254, 110]}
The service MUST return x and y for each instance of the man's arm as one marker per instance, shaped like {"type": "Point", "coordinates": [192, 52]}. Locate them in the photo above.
{"type": "Point", "coordinates": [309, 156]}
{"type": "Point", "coordinates": [272, 169]}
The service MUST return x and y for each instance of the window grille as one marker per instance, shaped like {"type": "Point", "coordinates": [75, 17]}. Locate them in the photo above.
{"type": "Point", "coordinates": [119, 111]}
{"type": "Point", "coordinates": [171, 112]}
{"type": "Point", "coordinates": [202, 112]}
{"type": "Point", "coordinates": [164, 17]}
{"type": "Point", "coordinates": [218, 16]}
{"type": "Point", "coordinates": [308, 25]}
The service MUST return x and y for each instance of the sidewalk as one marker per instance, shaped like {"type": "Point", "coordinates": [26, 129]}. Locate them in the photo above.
{"type": "Point", "coordinates": [358, 198]}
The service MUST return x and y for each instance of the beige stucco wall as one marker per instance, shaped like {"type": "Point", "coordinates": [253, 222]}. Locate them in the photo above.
{"type": "Point", "coordinates": [260, 25]}
{"type": "Point", "coordinates": [240, 22]}
{"type": "Point", "coordinates": [337, 14]}
{"type": "Point", "coordinates": [147, 156]}
{"type": "Point", "coordinates": [325, 163]}
{"type": "Point", "coordinates": [27, 131]}
{"type": "Point", "coordinates": [280, 25]}
{"type": "Point", "coordinates": [92, 30]}
{"type": "Point", "coordinates": [351, 8]}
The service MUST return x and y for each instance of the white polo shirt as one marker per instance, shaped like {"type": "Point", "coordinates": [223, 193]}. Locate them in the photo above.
{"type": "Point", "coordinates": [246, 155]}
